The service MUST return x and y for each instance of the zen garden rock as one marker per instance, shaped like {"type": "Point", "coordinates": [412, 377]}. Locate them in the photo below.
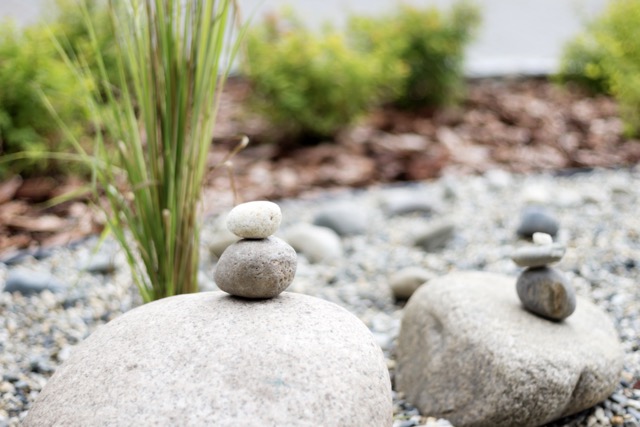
{"type": "Point", "coordinates": [256, 268]}
{"type": "Point", "coordinates": [216, 359]}
{"type": "Point", "coordinates": [405, 282]}
{"type": "Point", "coordinates": [316, 243]}
{"type": "Point", "coordinates": [467, 349]}
{"type": "Point", "coordinates": [344, 218]}
{"type": "Point", "coordinates": [29, 282]}
{"type": "Point", "coordinates": [434, 236]}
{"type": "Point", "coordinates": [537, 219]}
{"type": "Point", "coordinates": [544, 290]}
{"type": "Point", "coordinates": [469, 352]}
{"type": "Point", "coordinates": [213, 359]}
{"type": "Point", "coordinates": [254, 220]}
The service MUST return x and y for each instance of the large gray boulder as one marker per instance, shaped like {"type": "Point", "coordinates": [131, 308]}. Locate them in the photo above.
{"type": "Point", "coordinates": [469, 352]}
{"type": "Point", "coordinates": [216, 360]}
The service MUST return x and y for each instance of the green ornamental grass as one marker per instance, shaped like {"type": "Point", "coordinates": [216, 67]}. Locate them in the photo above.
{"type": "Point", "coordinates": [156, 120]}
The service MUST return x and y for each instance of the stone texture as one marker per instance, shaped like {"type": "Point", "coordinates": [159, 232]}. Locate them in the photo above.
{"type": "Point", "coordinates": [216, 360]}
{"type": "Point", "coordinates": [405, 282]}
{"type": "Point", "coordinates": [29, 282]}
{"type": "Point", "coordinates": [345, 218]}
{"type": "Point", "coordinates": [537, 219]}
{"type": "Point", "coordinates": [254, 220]}
{"type": "Point", "coordinates": [434, 236]}
{"type": "Point", "coordinates": [546, 292]}
{"type": "Point", "coordinates": [403, 202]}
{"type": "Point", "coordinates": [470, 353]}
{"type": "Point", "coordinates": [316, 243]}
{"type": "Point", "coordinates": [538, 256]}
{"type": "Point", "coordinates": [256, 268]}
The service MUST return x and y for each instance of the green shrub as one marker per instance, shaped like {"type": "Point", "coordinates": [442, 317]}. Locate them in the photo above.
{"type": "Point", "coordinates": [582, 63]}
{"type": "Point", "coordinates": [70, 30]}
{"type": "Point", "coordinates": [314, 84]}
{"type": "Point", "coordinates": [610, 59]}
{"type": "Point", "coordinates": [619, 35]}
{"type": "Point", "coordinates": [30, 66]}
{"type": "Point", "coordinates": [430, 43]}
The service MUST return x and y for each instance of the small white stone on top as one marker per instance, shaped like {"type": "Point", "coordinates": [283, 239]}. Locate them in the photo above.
{"type": "Point", "coordinates": [254, 220]}
{"type": "Point", "coordinates": [542, 239]}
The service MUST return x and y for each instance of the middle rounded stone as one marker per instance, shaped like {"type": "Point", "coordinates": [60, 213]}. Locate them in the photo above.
{"type": "Point", "coordinates": [256, 268]}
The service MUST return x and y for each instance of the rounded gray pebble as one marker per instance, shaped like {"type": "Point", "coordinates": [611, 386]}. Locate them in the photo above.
{"type": "Point", "coordinates": [434, 236]}
{"type": "Point", "coordinates": [537, 219]}
{"type": "Point", "coordinates": [256, 268]}
{"type": "Point", "coordinates": [538, 256]}
{"type": "Point", "coordinates": [405, 282]}
{"type": "Point", "coordinates": [29, 282]}
{"type": "Point", "coordinates": [545, 291]}
{"type": "Point", "coordinates": [344, 218]}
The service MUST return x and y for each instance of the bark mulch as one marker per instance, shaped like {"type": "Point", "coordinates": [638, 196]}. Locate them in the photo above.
{"type": "Point", "coordinates": [519, 125]}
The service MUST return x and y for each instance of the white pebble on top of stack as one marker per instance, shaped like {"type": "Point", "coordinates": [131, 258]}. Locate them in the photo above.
{"type": "Point", "coordinates": [260, 265]}
{"type": "Point", "coordinates": [254, 220]}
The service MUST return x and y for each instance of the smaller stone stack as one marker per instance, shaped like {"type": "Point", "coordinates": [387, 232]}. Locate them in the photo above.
{"type": "Point", "coordinates": [544, 290]}
{"type": "Point", "coordinates": [259, 265]}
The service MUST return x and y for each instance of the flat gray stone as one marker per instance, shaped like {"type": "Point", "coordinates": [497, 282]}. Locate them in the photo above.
{"type": "Point", "coordinates": [405, 282]}
{"type": "Point", "coordinates": [316, 243]}
{"type": "Point", "coordinates": [28, 282]}
{"type": "Point", "coordinates": [469, 352]}
{"type": "Point", "coordinates": [546, 292]}
{"type": "Point", "coordinates": [537, 219]}
{"type": "Point", "coordinates": [434, 236]}
{"type": "Point", "coordinates": [210, 359]}
{"type": "Point", "coordinates": [256, 268]}
{"type": "Point", "coordinates": [538, 256]}
{"type": "Point", "coordinates": [99, 263]}
{"type": "Point", "coordinates": [254, 220]}
{"type": "Point", "coordinates": [402, 202]}
{"type": "Point", "coordinates": [345, 218]}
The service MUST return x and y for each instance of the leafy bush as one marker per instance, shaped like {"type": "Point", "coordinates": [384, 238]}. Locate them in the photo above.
{"type": "Point", "coordinates": [581, 63]}
{"type": "Point", "coordinates": [314, 84]}
{"type": "Point", "coordinates": [611, 59]}
{"type": "Point", "coordinates": [30, 66]}
{"type": "Point", "coordinates": [69, 28]}
{"type": "Point", "coordinates": [430, 43]}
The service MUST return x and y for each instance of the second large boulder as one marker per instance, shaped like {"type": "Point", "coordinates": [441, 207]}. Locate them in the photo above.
{"type": "Point", "coordinates": [469, 352]}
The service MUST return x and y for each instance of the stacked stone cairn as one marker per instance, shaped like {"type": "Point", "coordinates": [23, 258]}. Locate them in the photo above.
{"type": "Point", "coordinates": [544, 290]}
{"type": "Point", "coordinates": [260, 265]}
{"type": "Point", "coordinates": [257, 357]}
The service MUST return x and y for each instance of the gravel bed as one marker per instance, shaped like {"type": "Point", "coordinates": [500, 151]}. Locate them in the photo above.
{"type": "Point", "coordinates": [599, 224]}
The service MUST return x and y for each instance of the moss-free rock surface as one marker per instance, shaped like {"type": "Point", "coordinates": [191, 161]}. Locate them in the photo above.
{"type": "Point", "coordinates": [469, 352]}
{"type": "Point", "coordinates": [216, 360]}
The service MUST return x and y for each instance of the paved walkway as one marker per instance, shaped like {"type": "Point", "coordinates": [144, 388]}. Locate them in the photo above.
{"type": "Point", "coordinates": [517, 36]}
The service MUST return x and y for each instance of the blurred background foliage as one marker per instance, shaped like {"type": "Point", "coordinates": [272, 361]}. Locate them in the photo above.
{"type": "Point", "coordinates": [308, 84]}
{"type": "Point", "coordinates": [31, 67]}
{"type": "Point", "coordinates": [605, 58]}
{"type": "Point", "coordinates": [429, 42]}
{"type": "Point", "coordinates": [312, 85]}
{"type": "Point", "coordinates": [316, 84]}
